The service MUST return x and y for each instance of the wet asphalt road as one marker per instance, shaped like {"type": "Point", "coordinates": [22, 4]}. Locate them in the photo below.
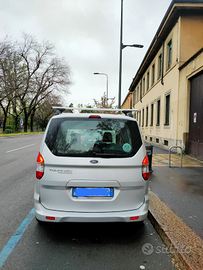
{"type": "Point", "coordinates": [66, 246]}
{"type": "Point", "coordinates": [181, 189]}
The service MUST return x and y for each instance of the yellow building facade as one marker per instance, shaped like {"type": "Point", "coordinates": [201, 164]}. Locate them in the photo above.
{"type": "Point", "coordinates": [161, 89]}
{"type": "Point", "coordinates": [127, 103]}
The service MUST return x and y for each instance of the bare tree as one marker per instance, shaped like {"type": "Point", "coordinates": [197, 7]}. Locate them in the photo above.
{"type": "Point", "coordinates": [45, 73]}
{"type": "Point", "coordinates": [30, 72]}
{"type": "Point", "coordinates": [6, 90]}
{"type": "Point", "coordinates": [45, 111]}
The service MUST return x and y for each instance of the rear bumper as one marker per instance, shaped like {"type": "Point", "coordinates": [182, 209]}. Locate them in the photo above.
{"type": "Point", "coordinates": [121, 216]}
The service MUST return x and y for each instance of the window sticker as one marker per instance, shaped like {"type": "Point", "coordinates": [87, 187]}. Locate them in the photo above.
{"type": "Point", "coordinates": [127, 147]}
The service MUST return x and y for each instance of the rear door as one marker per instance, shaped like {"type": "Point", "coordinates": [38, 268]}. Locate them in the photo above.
{"type": "Point", "coordinates": [93, 153]}
{"type": "Point", "coordinates": [62, 178]}
{"type": "Point", "coordinates": [196, 118]}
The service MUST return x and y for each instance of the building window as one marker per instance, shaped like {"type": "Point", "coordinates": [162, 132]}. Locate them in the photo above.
{"type": "Point", "coordinates": [134, 97]}
{"type": "Point", "coordinates": [137, 93]}
{"type": "Point", "coordinates": [167, 112]}
{"type": "Point", "coordinates": [169, 53]}
{"type": "Point", "coordinates": [152, 114]}
{"type": "Point", "coordinates": [165, 142]}
{"type": "Point", "coordinates": [147, 80]}
{"type": "Point", "coordinates": [143, 86]}
{"type": "Point", "coordinates": [143, 117]}
{"type": "Point", "coordinates": [147, 111]}
{"type": "Point", "coordinates": [158, 112]}
{"type": "Point", "coordinates": [153, 74]}
{"type": "Point", "coordinates": [141, 90]}
{"type": "Point", "coordinates": [160, 65]}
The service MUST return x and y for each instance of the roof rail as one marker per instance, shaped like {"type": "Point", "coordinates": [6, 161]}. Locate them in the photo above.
{"type": "Point", "coordinates": [127, 112]}
{"type": "Point", "coordinates": [59, 110]}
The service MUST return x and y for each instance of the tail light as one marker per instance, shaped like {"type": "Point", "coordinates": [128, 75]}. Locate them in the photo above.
{"type": "Point", "coordinates": [94, 116]}
{"type": "Point", "coordinates": [40, 166]}
{"type": "Point", "coordinates": [145, 168]}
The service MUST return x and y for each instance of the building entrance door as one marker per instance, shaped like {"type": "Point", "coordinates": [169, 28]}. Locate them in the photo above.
{"type": "Point", "coordinates": [196, 118]}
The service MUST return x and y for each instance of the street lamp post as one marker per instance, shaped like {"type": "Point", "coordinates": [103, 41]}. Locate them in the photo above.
{"type": "Point", "coordinates": [107, 79]}
{"type": "Point", "coordinates": [122, 46]}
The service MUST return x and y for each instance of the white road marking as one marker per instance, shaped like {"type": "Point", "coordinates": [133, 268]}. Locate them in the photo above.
{"type": "Point", "coordinates": [20, 148]}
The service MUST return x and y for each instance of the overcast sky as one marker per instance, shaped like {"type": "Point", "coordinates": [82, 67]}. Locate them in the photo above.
{"type": "Point", "coordinates": [87, 34]}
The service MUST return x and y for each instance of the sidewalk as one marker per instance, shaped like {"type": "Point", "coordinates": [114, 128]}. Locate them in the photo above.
{"type": "Point", "coordinates": [176, 202]}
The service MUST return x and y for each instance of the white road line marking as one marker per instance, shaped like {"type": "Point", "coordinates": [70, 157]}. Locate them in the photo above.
{"type": "Point", "coordinates": [20, 148]}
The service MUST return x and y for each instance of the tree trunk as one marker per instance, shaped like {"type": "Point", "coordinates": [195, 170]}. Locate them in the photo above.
{"type": "Point", "coordinates": [32, 119]}
{"type": "Point", "coordinates": [4, 123]}
{"type": "Point", "coordinates": [25, 124]}
{"type": "Point", "coordinates": [16, 124]}
{"type": "Point", "coordinates": [5, 111]}
{"type": "Point", "coordinates": [31, 122]}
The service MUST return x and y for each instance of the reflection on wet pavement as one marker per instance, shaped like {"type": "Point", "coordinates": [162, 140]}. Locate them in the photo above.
{"type": "Point", "coordinates": [163, 160]}
{"type": "Point", "coordinates": [180, 188]}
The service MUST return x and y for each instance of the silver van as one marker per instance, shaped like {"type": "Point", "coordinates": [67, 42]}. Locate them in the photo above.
{"type": "Point", "coordinates": [91, 168]}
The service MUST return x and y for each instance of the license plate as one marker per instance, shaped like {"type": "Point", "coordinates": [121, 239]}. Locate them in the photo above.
{"type": "Point", "coordinates": [93, 192]}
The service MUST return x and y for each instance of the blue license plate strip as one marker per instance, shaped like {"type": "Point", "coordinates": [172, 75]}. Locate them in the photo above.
{"type": "Point", "coordinates": [92, 192]}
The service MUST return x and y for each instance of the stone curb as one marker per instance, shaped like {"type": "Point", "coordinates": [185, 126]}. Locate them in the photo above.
{"type": "Point", "coordinates": [182, 242]}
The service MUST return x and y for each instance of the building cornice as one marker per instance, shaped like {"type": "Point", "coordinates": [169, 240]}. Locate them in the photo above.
{"type": "Point", "coordinates": [191, 59]}
{"type": "Point", "coordinates": [176, 9]}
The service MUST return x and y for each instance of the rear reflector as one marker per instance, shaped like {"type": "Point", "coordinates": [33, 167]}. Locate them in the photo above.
{"type": "Point", "coordinates": [50, 218]}
{"type": "Point", "coordinates": [134, 218]}
{"type": "Point", "coordinates": [145, 168]}
{"type": "Point", "coordinates": [94, 116]}
{"type": "Point", "coordinates": [40, 167]}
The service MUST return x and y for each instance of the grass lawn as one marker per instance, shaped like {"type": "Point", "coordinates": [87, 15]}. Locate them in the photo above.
{"type": "Point", "coordinates": [23, 133]}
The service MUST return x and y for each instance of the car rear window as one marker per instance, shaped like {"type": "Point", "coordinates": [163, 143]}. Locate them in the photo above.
{"type": "Point", "coordinates": [90, 137]}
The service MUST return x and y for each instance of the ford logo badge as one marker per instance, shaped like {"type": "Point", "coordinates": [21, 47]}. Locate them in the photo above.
{"type": "Point", "coordinates": [94, 161]}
